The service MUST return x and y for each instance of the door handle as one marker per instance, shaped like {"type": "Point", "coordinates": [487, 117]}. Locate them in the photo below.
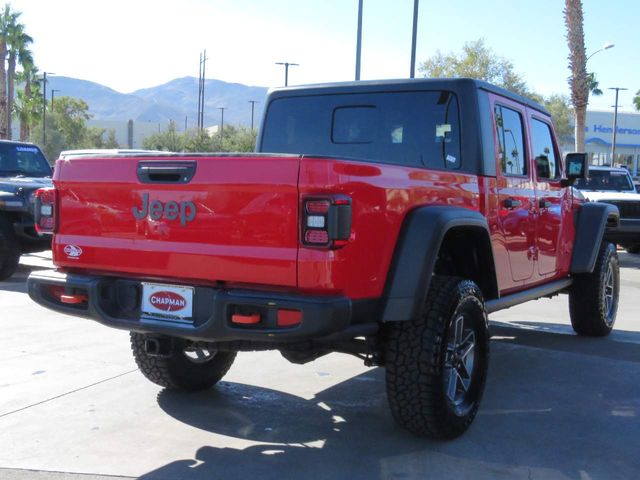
{"type": "Point", "coordinates": [164, 172]}
{"type": "Point", "coordinates": [544, 203]}
{"type": "Point", "coordinates": [511, 203]}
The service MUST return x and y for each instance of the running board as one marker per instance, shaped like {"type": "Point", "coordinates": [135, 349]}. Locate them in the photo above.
{"type": "Point", "coordinates": [526, 295]}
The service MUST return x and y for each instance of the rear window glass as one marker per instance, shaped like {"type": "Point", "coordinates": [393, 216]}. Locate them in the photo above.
{"type": "Point", "coordinates": [354, 124]}
{"type": "Point", "coordinates": [406, 128]}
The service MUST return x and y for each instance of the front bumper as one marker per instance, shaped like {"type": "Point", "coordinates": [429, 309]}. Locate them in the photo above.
{"type": "Point", "coordinates": [115, 302]}
{"type": "Point", "coordinates": [627, 232]}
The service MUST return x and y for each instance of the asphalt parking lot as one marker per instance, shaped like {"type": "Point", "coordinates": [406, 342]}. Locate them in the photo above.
{"type": "Point", "coordinates": [74, 406]}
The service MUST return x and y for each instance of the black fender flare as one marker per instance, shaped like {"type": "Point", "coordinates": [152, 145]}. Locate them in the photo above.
{"type": "Point", "coordinates": [416, 253]}
{"type": "Point", "coordinates": [591, 221]}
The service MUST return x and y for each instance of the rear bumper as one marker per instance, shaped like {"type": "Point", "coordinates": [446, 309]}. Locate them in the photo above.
{"type": "Point", "coordinates": [115, 302]}
{"type": "Point", "coordinates": [627, 232]}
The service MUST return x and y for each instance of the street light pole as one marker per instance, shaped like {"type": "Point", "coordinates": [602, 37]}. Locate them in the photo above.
{"type": "Point", "coordinates": [359, 40]}
{"type": "Point", "coordinates": [286, 70]}
{"type": "Point", "coordinates": [414, 39]}
{"type": "Point", "coordinates": [606, 46]}
{"type": "Point", "coordinates": [253, 103]}
{"type": "Point", "coordinates": [615, 124]}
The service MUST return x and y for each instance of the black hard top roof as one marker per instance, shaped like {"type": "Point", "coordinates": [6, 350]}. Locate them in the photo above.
{"type": "Point", "coordinates": [402, 85]}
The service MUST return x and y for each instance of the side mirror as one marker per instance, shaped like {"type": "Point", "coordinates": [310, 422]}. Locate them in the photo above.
{"type": "Point", "coordinates": [576, 166]}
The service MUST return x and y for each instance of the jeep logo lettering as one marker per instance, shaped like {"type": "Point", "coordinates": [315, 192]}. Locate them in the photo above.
{"type": "Point", "coordinates": [185, 211]}
{"type": "Point", "coordinates": [168, 301]}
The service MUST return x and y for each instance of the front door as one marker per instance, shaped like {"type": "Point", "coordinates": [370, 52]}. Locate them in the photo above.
{"type": "Point", "coordinates": [549, 193]}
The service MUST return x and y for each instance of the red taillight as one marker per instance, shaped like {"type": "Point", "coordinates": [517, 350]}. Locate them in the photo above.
{"type": "Point", "coordinates": [316, 237]}
{"type": "Point", "coordinates": [317, 206]}
{"type": "Point", "coordinates": [326, 222]}
{"type": "Point", "coordinates": [45, 210]}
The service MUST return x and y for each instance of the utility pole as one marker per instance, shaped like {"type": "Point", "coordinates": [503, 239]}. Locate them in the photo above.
{"type": "Point", "coordinates": [615, 124]}
{"type": "Point", "coordinates": [44, 107]}
{"type": "Point", "coordinates": [53, 95]}
{"type": "Point", "coordinates": [199, 90]}
{"type": "Point", "coordinates": [359, 40]}
{"type": "Point", "coordinates": [286, 70]}
{"type": "Point", "coordinates": [204, 66]}
{"type": "Point", "coordinates": [414, 38]}
{"type": "Point", "coordinates": [222, 109]}
{"type": "Point", "coordinates": [201, 76]}
{"type": "Point", "coordinates": [253, 104]}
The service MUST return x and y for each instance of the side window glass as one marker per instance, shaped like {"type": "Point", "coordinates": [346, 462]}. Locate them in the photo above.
{"type": "Point", "coordinates": [511, 153]}
{"type": "Point", "coordinates": [543, 152]}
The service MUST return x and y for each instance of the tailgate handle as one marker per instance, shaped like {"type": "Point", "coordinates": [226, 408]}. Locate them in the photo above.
{"type": "Point", "coordinates": [163, 172]}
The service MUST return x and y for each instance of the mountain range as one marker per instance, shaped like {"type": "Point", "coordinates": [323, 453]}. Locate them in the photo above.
{"type": "Point", "coordinates": [176, 100]}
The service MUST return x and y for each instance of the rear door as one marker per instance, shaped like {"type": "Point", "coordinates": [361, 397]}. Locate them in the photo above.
{"type": "Point", "coordinates": [516, 191]}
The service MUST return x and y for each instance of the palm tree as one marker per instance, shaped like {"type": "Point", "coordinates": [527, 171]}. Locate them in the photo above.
{"type": "Point", "coordinates": [28, 106]}
{"type": "Point", "coordinates": [636, 100]}
{"type": "Point", "coordinates": [18, 49]}
{"type": "Point", "coordinates": [4, 20]}
{"type": "Point", "coordinates": [578, 81]}
{"type": "Point", "coordinates": [594, 84]}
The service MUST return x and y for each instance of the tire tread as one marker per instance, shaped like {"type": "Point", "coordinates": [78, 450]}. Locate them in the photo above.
{"type": "Point", "coordinates": [413, 359]}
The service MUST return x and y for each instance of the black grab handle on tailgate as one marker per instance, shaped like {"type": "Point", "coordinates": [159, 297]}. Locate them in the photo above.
{"type": "Point", "coordinates": [163, 172]}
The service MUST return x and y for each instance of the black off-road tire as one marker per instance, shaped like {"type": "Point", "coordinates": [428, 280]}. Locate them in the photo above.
{"type": "Point", "coordinates": [9, 250]}
{"type": "Point", "coordinates": [593, 297]}
{"type": "Point", "coordinates": [418, 359]}
{"type": "Point", "coordinates": [633, 248]}
{"type": "Point", "coordinates": [179, 371]}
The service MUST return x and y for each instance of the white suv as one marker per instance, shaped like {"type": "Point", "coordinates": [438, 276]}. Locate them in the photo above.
{"type": "Point", "coordinates": [615, 186]}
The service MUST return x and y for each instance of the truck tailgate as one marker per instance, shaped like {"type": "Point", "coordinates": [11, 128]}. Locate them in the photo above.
{"type": "Point", "coordinates": [214, 218]}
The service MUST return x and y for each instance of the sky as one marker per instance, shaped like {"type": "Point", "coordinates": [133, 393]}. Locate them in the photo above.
{"type": "Point", "coordinates": [134, 44]}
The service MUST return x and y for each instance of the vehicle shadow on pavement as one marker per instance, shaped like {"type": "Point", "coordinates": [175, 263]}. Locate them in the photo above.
{"type": "Point", "coordinates": [547, 412]}
{"type": "Point", "coordinates": [619, 345]}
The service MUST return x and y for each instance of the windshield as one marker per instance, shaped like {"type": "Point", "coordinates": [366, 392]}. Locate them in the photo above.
{"type": "Point", "coordinates": [606, 180]}
{"type": "Point", "coordinates": [22, 160]}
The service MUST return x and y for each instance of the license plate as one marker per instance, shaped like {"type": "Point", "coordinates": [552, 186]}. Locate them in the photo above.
{"type": "Point", "coordinates": [167, 302]}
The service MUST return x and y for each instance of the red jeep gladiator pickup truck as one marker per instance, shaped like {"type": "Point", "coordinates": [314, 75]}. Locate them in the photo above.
{"type": "Point", "coordinates": [393, 218]}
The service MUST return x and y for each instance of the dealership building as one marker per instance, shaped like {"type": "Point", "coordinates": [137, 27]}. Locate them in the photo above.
{"type": "Point", "coordinates": [599, 138]}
